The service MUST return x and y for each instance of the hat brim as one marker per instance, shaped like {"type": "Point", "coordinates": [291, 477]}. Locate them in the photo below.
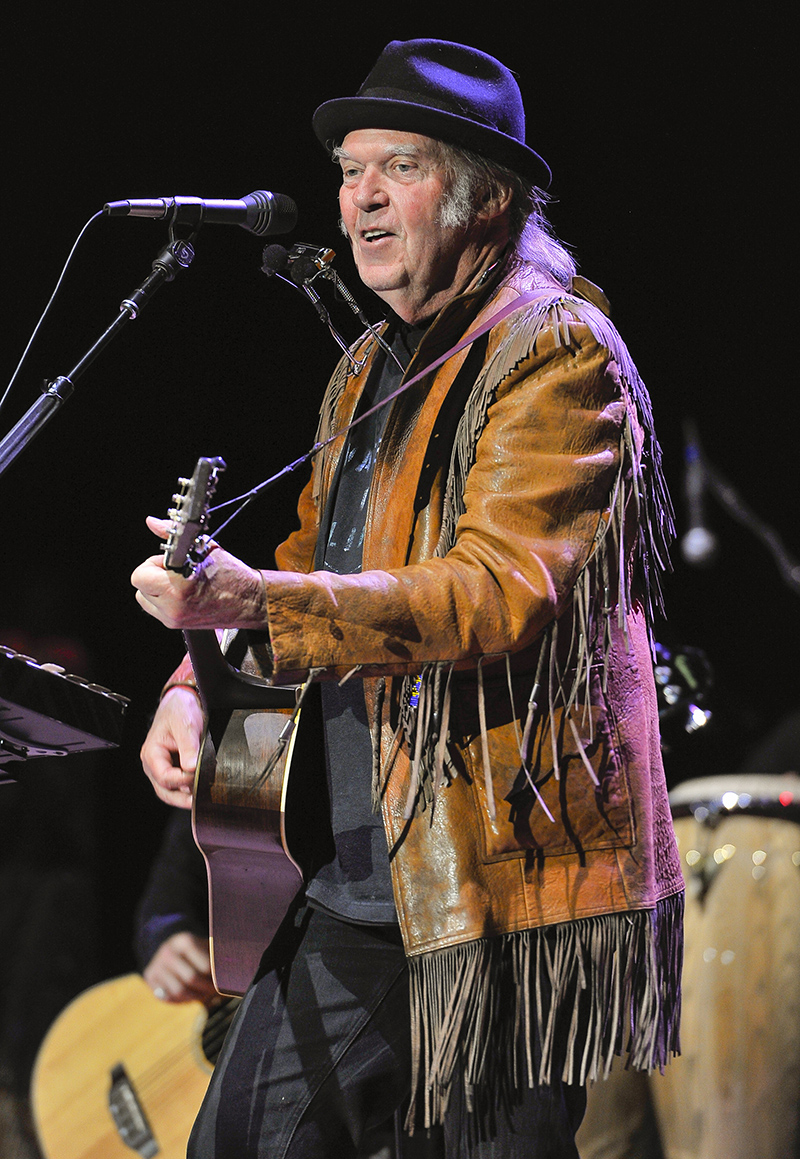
{"type": "Point", "coordinates": [335, 119]}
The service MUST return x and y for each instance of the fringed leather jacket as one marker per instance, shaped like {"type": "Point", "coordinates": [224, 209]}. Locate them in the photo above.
{"type": "Point", "coordinates": [502, 629]}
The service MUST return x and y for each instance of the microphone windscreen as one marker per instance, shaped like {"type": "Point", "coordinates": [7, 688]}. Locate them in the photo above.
{"type": "Point", "coordinates": [274, 259]}
{"type": "Point", "coordinates": [303, 270]}
{"type": "Point", "coordinates": [284, 214]}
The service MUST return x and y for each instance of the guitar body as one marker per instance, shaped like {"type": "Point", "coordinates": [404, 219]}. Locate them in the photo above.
{"type": "Point", "coordinates": [260, 810]}
{"type": "Point", "coordinates": [117, 1043]}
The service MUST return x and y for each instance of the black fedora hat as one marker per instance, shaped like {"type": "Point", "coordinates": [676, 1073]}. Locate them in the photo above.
{"type": "Point", "coordinates": [442, 90]}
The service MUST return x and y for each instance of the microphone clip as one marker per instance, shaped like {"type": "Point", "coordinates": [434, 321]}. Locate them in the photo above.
{"type": "Point", "coordinates": [307, 262]}
{"type": "Point", "coordinates": [304, 263]}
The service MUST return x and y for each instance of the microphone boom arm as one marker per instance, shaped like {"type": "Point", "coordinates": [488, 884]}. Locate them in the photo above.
{"type": "Point", "coordinates": [176, 255]}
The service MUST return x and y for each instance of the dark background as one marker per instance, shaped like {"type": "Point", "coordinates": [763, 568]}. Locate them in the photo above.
{"type": "Point", "coordinates": [668, 145]}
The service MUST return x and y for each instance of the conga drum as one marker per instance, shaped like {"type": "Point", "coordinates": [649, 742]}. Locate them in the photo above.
{"type": "Point", "coordinates": [735, 1091]}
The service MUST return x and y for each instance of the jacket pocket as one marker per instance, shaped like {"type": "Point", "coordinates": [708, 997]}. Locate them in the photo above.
{"type": "Point", "coordinates": [574, 796]}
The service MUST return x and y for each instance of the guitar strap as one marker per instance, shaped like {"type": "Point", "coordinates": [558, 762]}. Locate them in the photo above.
{"type": "Point", "coordinates": [510, 307]}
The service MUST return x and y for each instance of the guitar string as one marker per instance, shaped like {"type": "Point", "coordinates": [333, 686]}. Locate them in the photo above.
{"type": "Point", "coordinates": [152, 1077]}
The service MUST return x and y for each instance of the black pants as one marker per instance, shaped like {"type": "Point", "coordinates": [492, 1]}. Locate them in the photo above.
{"type": "Point", "coordinates": [320, 1051]}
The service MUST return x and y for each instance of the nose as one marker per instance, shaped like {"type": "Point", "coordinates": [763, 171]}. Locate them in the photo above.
{"type": "Point", "coordinates": [369, 192]}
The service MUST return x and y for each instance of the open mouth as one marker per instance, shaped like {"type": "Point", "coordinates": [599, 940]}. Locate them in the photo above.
{"type": "Point", "coordinates": [373, 235]}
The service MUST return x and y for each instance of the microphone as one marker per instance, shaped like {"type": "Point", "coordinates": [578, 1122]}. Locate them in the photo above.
{"type": "Point", "coordinates": [304, 270]}
{"type": "Point", "coordinates": [699, 545]}
{"type": "Point", "coordinates": [261, 212]}
{"type": "Point", "coordinates": [303, 262]}
{"type": "Point", "coordinates": [274, 259]}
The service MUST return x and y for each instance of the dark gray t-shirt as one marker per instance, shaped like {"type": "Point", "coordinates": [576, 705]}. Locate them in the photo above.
{"type": "Point", "coordinates": [357, 883]}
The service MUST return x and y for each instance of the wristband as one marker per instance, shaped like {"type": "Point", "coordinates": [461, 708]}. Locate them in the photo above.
{"type": "Point", "coordinates": [182, 684]}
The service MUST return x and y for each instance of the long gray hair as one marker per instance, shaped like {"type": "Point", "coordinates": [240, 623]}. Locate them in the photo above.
{"type": "Point", "coordinates": [532, 238]}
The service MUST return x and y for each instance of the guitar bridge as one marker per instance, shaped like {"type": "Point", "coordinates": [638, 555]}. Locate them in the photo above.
{"type": "Point", "coordinates": [128, 1115]}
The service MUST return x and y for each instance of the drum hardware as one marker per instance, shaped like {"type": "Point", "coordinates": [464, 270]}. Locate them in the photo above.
{"type": "Point", "coordinates": [779, 799]}
{"type": "Point", "coordinates": [711, 799]}
{"type": "Point", "coordinates": [684, 680]}
{"type": "Point", "coordinates": [704, 867]}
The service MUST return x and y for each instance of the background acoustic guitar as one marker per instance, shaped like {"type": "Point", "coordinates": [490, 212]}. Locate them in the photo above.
{"type": "Point", "coordinates": [120, 1072]}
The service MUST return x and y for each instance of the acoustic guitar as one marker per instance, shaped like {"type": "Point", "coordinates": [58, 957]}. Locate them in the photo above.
{"type": "Point", "coordinates": [121, 1072]}
{"type": "Point", "coordinates": [260, 811]}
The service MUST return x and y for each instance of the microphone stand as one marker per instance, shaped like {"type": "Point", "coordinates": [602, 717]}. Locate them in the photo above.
{"type": "Point", "coordinates": [175, 256]}
{"type": "Point", "coordinates": [702, 476]}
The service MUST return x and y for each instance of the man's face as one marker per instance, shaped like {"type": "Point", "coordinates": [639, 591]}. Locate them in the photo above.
{"type": "Point", "coordinates": [391, 195]}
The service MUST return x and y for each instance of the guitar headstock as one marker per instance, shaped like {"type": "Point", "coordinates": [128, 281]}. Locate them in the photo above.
{"type": "Point", "coordinates": [184, 546]}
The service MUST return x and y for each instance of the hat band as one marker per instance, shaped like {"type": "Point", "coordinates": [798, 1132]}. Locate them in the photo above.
{"type": "Point", "coordinates": [413, 98]}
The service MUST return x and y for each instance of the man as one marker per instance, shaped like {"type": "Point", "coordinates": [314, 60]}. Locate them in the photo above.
{"type": "Point", "coordinates": [472, 584]}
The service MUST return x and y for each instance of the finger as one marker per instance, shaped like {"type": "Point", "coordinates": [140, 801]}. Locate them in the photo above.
{"type": "Point", "coordinates": [180, 798]}
{"type": "Point", "coordinates": [156, 979]}
{"type": "Point", "coordinates": [172, 784]}
{"type": "Point", "coordinates": [161, 759]}
{"type": "Point", "coordinates": [150, 574]}
{"type": "Point", "coordinates": [188, 735]}
{"type": "Point", "coordinates": [195, 952]}
{"type": "Point", "coordinates": [144, 602]}
{"type": "Point", "coordinates": [183, 972]}
{"type": "Point", "coordinates": [159, 527]}
{"type": "Point", "coordinates": [153, 605]}
{"type": "Point", "coordinates": [173, 981]}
